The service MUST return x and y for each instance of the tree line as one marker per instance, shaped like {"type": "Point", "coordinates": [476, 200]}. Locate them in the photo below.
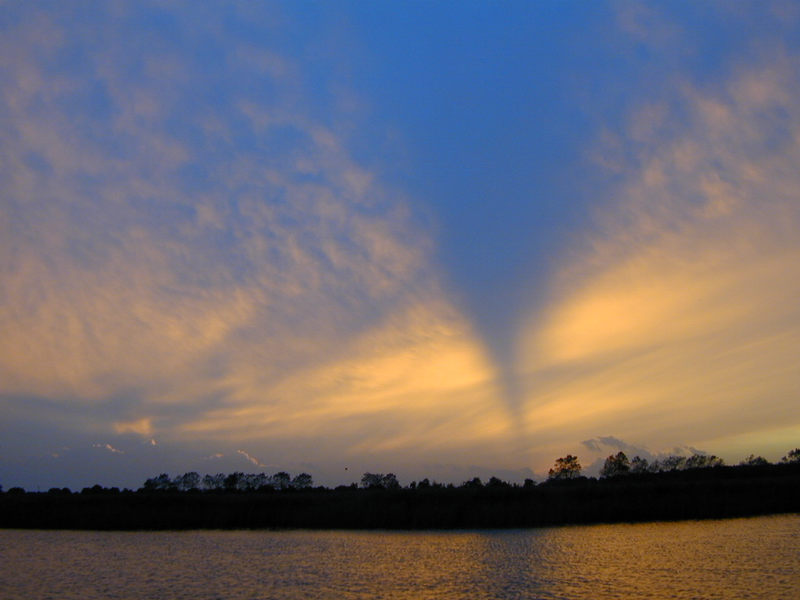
{"type": "Point", "coordinates": [615, 465]}
{"type": "Point", "coordinates": [231, 482]}
{"type": "Point", "coordinates": [676, 489]}
{"type": "Point", "coordinates": [565, 468]}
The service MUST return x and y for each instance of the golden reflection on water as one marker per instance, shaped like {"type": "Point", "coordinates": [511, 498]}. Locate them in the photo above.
{"type": "Point", "coordinates": [737, 558]}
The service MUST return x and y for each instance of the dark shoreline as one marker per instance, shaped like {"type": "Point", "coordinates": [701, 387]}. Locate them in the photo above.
{"type": "Point", "coordinates": [720, 492]}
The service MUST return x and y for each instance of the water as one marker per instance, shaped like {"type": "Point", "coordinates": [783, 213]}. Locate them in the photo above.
{"type": "Point", "coordinates": [736, 558]}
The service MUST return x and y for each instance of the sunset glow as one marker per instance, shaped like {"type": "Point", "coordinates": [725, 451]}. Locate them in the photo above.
{"type": "Point", "coordinates": [271, 234]}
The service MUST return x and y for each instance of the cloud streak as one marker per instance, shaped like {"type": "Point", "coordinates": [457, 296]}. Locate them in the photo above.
{"type": "Point", "coordinates": [186, 260]}
{"type": "Point", "coordinates": [676, 319]}
{"type": "Point", "coordinates": [251, 459]}
{"type": "Point", "coordinates": [108, 447]}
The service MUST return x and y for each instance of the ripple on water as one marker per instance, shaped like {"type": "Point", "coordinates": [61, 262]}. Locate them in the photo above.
{"type": "Point", "coordinates": [736, 558]}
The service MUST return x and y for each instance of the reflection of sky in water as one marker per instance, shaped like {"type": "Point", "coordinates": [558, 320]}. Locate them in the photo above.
{"type": "Point", "coordinates": [741, 558]}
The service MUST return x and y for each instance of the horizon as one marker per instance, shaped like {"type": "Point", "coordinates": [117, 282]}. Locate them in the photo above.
{"type": "Point", "coordinates": [437, 241]}
{"type": "Point", "coordinates": [564, 468]}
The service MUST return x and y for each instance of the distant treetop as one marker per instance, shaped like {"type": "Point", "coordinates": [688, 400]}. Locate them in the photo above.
{"type": "Point", "coordinates": [566, 467]}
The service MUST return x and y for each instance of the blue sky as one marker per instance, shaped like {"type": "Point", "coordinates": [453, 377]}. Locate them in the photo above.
{"type": "Point", "coordinates": [438, 239]}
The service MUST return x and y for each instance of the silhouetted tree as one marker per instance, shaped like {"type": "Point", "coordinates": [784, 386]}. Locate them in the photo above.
{"type": "Point", "coordinates": [162, 483]}
{"type": "Point", "coordinates": [475, 482]}
{"type": "Point", "coordinates": [302, 481]}
{"type": "Point", "coordinates": [754, 461]}
{"type": "Point", "coordinates": [615, 465]}
{"type": "Point", "coordinates": [792, 457]}
{"type": "Point", "coordinates": [566, 467]}
{"type": "Point", "coordinates": [214, 482]}
{"type": "Point", "coordinates": [379, 480]}
{"type": "Point", "coordinates": [233, 481]}
{"type": "Point", "coordinates": [679, 463]}
{"type": "Point", "coordinates": [639, 465]}
{"type": "Point", "coordinates": [496, 482]}
{"type": "Point", "coordinates": [258, 481]}
{"type": "Point", "coordinates": [668, 463]}
{"type": "Point", "coordinates": [281, 480]}
{"type": "Point", "coordinates": [187, 481]}
{"type": "Point", "coordinates": [371, 480]}
{"type": "Point", "coordinates": [703, 461]}
{"type": "Point", "coordinates": [390, 482]}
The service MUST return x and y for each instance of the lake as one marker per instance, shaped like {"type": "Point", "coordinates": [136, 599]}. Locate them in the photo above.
{"type": "Point", "coordinates": [733, 558]}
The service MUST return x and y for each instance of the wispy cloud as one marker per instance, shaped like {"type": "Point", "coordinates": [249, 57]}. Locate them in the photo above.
{"type": "Point", "coordinates": [108, 447]}
{"type": "Point", "coordinates": [676, 319]}
{"type": "Point", "coordinates": [60, 452]}
{"type": "Point", "coordinates": [605, 443]}
{"type": "Point", "coordinates": [142, 426]}
{"type": "Point", "coordinates": [251, 459]}
{"type": "Point", "coordinates": [646, 24]}
{"type": "Point", "coordinates": [199, 260]}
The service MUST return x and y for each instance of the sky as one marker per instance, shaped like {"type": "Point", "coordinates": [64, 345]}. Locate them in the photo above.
{"type": "Point", "coordinates": [437, 239]}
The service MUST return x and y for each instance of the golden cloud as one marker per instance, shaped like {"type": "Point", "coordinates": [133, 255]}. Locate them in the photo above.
{"type": "Point", "coordinates": [142, 427]}
{"type": "Point", "coordinates": [288, 293]}
{"type": "Point", "coordinates": [678, 322]}
{"type": "Point", "coordinates": [417, 381]}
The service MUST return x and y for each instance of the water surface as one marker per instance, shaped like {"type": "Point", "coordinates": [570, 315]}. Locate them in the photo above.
{"type": "Point", "coordinates": [735, 558]}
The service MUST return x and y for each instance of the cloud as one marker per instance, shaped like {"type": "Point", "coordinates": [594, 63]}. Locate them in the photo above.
{"type": "Point", "coordinates": [60, 452]}
{"type": "Point", "coordinates": [646, 24]}
{"type": "Point", "coordinates": [675, 319]}
{"type": "Point", "coordinates": [251, 459]}
{"type": "Point", "coordinates": [407, 384]}
{"type": "Point", "coordinates": [600, 448]}
{"type": "Point", "coordinates": [608, 443]}
{"type": "Point", "coordinates": [108, 447]}
{"type": "Point", "coordinates": [142, 426]}
{"type": "Point", "coordinates": [186, 257]}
